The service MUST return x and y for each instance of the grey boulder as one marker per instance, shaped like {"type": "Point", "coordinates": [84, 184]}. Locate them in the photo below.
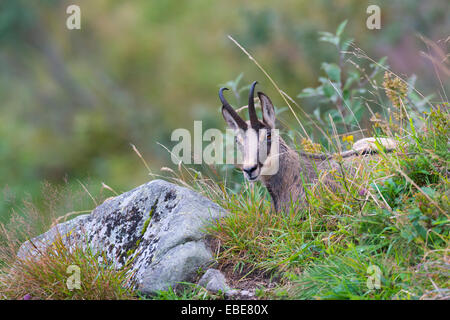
{"type": "Point", "coordinates": [158, 227]}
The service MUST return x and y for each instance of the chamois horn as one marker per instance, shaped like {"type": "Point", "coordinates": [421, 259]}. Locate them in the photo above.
{"type": "Point", "coordinates": [251, 107]}
{"type": "Point", "coordinates": [241, 123]}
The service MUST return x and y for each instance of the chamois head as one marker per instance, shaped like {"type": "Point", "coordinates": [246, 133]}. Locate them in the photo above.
{"type": "Point", "coordinates": [257, 140]}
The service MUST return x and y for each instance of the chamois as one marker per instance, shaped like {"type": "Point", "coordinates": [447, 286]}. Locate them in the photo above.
{"type": "Point", "coordinates": [261, 153]}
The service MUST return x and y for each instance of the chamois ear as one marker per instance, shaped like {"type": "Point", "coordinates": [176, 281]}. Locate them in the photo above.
{"type": "Point", "coordinates": [268, 110]}
{"type": "Point", "coordinates": [229, 119]}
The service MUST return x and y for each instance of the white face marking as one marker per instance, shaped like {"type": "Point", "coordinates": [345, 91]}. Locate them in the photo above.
{"type": "Point", "coordinates": [256, 160]}
{"type": "Point", "coordinates": [251, 144]}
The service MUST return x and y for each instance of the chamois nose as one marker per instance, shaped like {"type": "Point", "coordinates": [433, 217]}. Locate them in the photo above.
{"type": "Point", "coordinates": [250, 170]}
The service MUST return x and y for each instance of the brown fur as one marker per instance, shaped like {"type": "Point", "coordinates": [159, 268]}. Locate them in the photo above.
{"type": "Point", "coordinates": [286, 187]}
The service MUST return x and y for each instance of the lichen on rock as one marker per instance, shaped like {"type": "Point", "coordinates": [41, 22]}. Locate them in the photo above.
{"type": "Point", "coordinates": [158, 227]}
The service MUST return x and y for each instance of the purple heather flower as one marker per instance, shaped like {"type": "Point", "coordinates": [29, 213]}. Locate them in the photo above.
{"type": "Point", "coordinates": [27, 297]}
{"type": "Point", "coordinates": [362, 192]}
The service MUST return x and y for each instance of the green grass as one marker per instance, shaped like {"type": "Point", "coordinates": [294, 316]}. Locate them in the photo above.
{"type": "Point", "coordinates": [52, 275]}
{"type": "Point", "coordinates": [352, 274]}
{"type": "Point", "coordinates": [188, 291]}
{"type": "Point", "coordinates": [325, 250]}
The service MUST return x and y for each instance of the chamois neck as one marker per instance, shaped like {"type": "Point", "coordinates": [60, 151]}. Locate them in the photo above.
{"type": "Point", "coordinates": [286, 186]}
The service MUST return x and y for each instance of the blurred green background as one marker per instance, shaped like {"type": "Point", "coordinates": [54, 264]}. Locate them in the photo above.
{"type": "Point", "coordinates": [72, 101]}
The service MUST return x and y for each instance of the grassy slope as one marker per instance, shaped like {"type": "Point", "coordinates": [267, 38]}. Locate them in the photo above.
{"type": "Point", "coordinates": [389, 223]}
{"type": "Point", "coordinates": [384, 235]}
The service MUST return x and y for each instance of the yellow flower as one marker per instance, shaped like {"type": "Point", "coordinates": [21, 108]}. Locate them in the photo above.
{"type": "Point", "coordinates": [348, 139]}
{"type": "Point", "coordinates": [310, 146]}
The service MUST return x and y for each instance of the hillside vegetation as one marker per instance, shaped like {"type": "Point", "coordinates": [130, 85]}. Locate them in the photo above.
{"type": "Point", "coordinates": [384, 234]}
